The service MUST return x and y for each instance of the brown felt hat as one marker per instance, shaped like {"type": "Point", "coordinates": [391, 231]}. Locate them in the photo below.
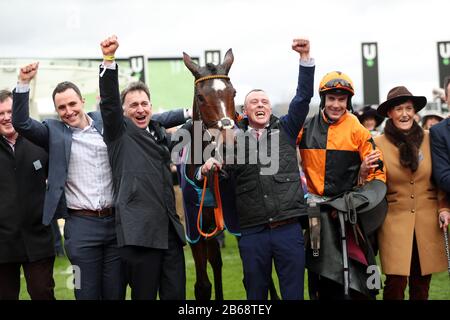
{"type": "Point", "coordinates": [397, 96]}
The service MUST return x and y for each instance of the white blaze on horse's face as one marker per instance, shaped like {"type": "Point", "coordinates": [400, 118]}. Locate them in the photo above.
{"type": "Point", "coordinates": [225, 122]}
{"type": "Point", "coordinates": [219, 85]}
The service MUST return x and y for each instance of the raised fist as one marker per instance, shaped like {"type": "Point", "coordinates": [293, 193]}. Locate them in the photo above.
{"type": "Point", "coordinates": [28, 72]}
{"type": "Point", "coordinates": [301, 46]}
{"type": "Point", "coordinates": [109, 45]}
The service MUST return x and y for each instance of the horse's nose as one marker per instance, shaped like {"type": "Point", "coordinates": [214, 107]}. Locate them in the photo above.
{"type": "Point", "coordinates": [226, 123]}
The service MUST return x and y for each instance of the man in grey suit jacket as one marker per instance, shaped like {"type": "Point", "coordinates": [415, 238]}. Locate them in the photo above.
{"type": "Point", "coordinates": [79, 186]}
{"type": "Point", "coordinates": [149, 231]}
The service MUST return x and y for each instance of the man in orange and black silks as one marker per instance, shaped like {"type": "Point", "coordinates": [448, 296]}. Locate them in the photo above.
{"type": "Point", "coordinates": [338, 154]}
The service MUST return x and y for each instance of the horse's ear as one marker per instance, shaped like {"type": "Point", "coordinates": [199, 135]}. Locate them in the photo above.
{"type": "Point", "coordinates": [191, 65]}
{"type": "Point", "coordinates": [228, 60]}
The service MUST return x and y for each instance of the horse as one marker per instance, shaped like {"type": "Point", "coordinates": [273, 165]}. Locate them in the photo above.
{"type": "Point", "coordinates": [213, 110]}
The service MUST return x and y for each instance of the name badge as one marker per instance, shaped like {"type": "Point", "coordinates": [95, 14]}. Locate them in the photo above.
{"type": "Point", "coordinates": [420, 155]}
{"type": "Point", "coordinates": [37, 165]}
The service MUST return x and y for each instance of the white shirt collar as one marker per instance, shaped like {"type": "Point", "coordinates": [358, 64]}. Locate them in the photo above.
{"type": "Point", "coordinates": [89, 126]}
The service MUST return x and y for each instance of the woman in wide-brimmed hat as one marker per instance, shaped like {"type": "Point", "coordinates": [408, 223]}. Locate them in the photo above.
{"type": "Point", "coordinates": [370, 119]}
{"type": "Point", "coordinates": [410, 241]}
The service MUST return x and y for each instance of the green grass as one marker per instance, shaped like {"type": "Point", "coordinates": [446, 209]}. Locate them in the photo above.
{"type": "Point", "coordinates": [233, 288]}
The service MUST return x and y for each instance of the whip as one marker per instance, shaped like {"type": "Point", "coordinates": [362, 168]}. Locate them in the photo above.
{"type": "Point", "coordinates": [446, 248]}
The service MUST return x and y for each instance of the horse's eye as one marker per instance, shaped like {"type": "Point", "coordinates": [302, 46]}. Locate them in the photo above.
{"type": "Point", "coordinates": [200, 98]}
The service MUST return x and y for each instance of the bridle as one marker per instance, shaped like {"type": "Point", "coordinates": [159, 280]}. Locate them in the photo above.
{"type": "Point", "coordinates": [223, 123]}
{"type": "Point", "coordinates": [213, 76]}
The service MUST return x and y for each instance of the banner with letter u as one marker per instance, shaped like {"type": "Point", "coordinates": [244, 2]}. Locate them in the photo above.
{"type": "Point", "coordinates": [370, 72]}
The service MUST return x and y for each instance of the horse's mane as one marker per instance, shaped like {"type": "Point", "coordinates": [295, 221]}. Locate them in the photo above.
{"type": "Point", "coordinates": [211, 68]}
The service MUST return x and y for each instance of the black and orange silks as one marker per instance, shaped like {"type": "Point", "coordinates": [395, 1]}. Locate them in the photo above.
{"type": "Point", "coordinates": [332, 154]}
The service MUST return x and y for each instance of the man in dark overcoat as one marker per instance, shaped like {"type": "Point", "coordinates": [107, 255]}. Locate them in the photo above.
{"type": "Point", "coordinates": [24, 241]}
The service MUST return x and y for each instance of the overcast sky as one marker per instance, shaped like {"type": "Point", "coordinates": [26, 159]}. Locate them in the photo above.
{"type": "Point", "coordinates": [259, 32]}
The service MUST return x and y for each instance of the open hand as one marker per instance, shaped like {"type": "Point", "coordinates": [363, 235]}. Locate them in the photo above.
{"type": "Point", "coordinates": [369, 163]}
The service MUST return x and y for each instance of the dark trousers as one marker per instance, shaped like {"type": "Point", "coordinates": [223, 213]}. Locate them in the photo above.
{"type": "Point", "coordinates": [395, 285]}
{"type": "Point", "coordinates": [91, 247]}
{"type": "Point", "coordinates": [152, 271]}
{"type": "Point", "coordinates": [38, 276]}
{"type": "Point", "coordinates": [284, 246]}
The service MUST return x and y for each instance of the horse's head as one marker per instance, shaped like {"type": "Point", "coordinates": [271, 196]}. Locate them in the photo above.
{"type": "Point", "coordinates": [214, 94]}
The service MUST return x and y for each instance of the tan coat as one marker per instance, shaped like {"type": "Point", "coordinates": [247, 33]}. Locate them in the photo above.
{"type": "Point", "coordinates": [413, 208]}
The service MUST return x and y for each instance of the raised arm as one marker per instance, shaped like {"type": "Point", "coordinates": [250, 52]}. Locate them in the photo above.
{"type": "Point", "coordinates": [31, 129]}
{"type": "Point", "coordinates": [171, 118]}
{"type": "Point", "coordinates": [110, 105]}
{"type": "Point", "coordinates": [299, 106]}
